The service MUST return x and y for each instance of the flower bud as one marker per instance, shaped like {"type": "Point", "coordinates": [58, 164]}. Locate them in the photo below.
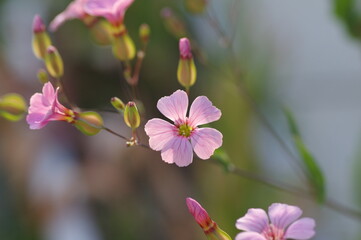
{"type": "Point", "coordinates": [196, 6]}
{"type": "Point", "coordinates": [131, 115]}
{"type": "Point", "coordinates": [117, 104]}
{"type": "Point", "coordinates": [89, 123]}
{"type": "Point", "coordinates": [101, 31]}
{"type": "Point", "coordinates": [173, 23]}
{"type": "Point", "coordinates": [187, 72]}
{"type": "Point", "coordinates": [41, 39]}
{"type": "Point", "coordinates": [144, 33]}
{"type": "Point", "coordinates": [12, 107]}
{"type": "Point", "coordinates": [210, 228]}
{"type": "Point", "coordinates": [42, 76]}
{"type": "Point", "coordinates": [123, 47]}
{"type": "Point", "coordinates": [54, 62]}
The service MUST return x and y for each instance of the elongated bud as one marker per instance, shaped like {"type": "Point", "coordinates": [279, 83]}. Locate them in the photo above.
{"type": "Point", "coordinates": [210, 228]}
{"type": "Point", "coordinates": [131, 115]}
{"type": "Point", "coordinates": [187, 72]}
{"type": "Point", "coordinates": [173, 23]}
{"type": "Point", "coordinates": [54, 62]}
{"type": "Point", "coordinates": [102, 32]}
{"type": "Point", "coordinates": [123, 46]}
{"type": "Point", "coordinates": [42, 76]}
{"type": "Point", "coordinates": [144, 33]}
{"type": "Point", "coordinates": [41, 39]}
{"type": "Point", "coordinates": [89, 123]}
{"type": "Point", "coordinates": [12, 107]}
{"type": "Point", "coordinates": [117, 104]}
{"type": "Point", "coordinates": [196, 6]}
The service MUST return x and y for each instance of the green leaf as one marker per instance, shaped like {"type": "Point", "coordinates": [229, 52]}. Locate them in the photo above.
{"type": "Point", "coordinates": [314, 173]}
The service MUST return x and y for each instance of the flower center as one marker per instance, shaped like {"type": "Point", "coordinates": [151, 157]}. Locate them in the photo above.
{"type": "Point", "coordinates": [273, 233]}
{"type": "Point", "coordinates": [185, 130]}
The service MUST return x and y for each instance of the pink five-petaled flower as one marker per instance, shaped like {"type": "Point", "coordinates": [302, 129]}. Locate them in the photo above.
{"type": "Point", "coordinates": [176, 141]}
{"type": "Point", "coordinates": [283, 223]}
{"type": "Point", "coordinates": [45, 107]}
{"type": "Point", "coordinates": [113, 10]}
{"type": "Point", "coordinates": [75, 10]}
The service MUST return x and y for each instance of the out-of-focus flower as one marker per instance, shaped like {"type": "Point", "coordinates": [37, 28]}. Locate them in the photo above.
{"type": "Point", "coordinates": [282, 224]}
{"type": "Point", "coordinates": [75, 10]}
{"type": "Point", "coordinates": [186, 72]}
{"type": "Point", "coordinates": [45, 107]}
{"type": "Point", "coordinates": [177, 141]}
{"type": "Point", "coordinates": [210, 228]}
{"type": "Point", "coordinates": [173, 23]}
{"type": "Point", "coordinates": [41, 40]}
{"type": "Point", "coordinates": [112, 10]}
{"type": "Point", "coordinates": [196, 6]}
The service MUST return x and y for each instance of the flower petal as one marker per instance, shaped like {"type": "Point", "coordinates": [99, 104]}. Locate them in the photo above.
{"type": "Point", "coordinates": [174, 106]}
{"type": "Point", "coordinates": [202, 111]}
{"type": "Point", "coordinates": [160, 133]}
{"type": "Point", "coordinates": [282, 215]}
{"type": "Point", "coordinates": [250, 236]}
{"type": "Point", "coordinates": [205, 141]}
{"type": "Point", "coordinates": [36, 120]}
{"type": "Point", "coordinates": [179, 151]}
{"type": "Point", "coordinates": [255, 220]}
{"type": "Point", "coordinates": [301, 229]}
{"type": "Point", "coordinates": [74, 10]}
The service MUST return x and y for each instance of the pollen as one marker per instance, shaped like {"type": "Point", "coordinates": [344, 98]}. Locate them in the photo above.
{"type": "Point", "coordinates": [185, 130]}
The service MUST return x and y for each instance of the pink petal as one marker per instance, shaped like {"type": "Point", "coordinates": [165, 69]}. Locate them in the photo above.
{"type": "Point", "coordinates": [179, 151]}
{"type": "Point", "coordinates": [205, 141]}
{"type": "Point", "coordinates": [160, 133]}
{"type": "Point", "coordinates": [36, 120]}
{"type": "Point", "coordinates": [255, 220]}
{"type": "Point", "coordinates": [48, 94]}
{"type": "Point", "coordinates": [199, 213]}
{"type": "Point", "coordinates": [174, 106]}
{"type": "Point", "coordinates": [202, 111]}
{"type": "Point", "coordinates": [113, 10]}
{"type": "Point", "coordinates": [74, 10]}
{"type": "Point", "coordinates": [250, 236]}
{"type": "Point", "coordinates": [301, 229]}
{"type": "Point", "coordinates": [282, 215]}
{"type": "Point", "coordinates": [36, 103]}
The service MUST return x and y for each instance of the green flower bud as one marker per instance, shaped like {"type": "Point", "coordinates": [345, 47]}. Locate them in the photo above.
{"type": "Point", "coordinates": [12, 107]}
{"type": "Point", "coordinates": [196, 6]}
{"type": "Point", "coordinates": [54, 62]}
{"type": "Point", "coordinates": [187, 72]}
{"type": "Point", "coordinates": [144, 33]}
{"type": "Point", "coordinates": [42, 76]}
{"type": "Point", "coordinates": [101, 31]}
{"type": "Point", "coordinates": [89, 123]}
{"type": "Point", "coordinates": [131, 115]}
{"type": "Point", "coordinates": [117, 104]}
{"type": "Point", "coordinates": [41, 39]}
{"type": "Point", "coordinates": [123, 47]}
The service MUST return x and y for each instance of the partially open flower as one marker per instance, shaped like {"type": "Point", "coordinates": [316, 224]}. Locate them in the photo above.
{"type": "Point", "coordinates": [177, 141]}
{"type": "Point", "coordinates": [282, 224]}
{"type": "Point", "coordinates": [45, 107]}
{"type": "Point", "coordinates": [112, 10]}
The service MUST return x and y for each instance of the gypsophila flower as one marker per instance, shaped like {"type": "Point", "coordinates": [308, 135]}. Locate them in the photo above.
{"type": "Point", "coordinates": [282, 224]}
{"type": "Point", "coordinates": [45, 107]}
{"type": "Point", "coordinates": [176, 141]}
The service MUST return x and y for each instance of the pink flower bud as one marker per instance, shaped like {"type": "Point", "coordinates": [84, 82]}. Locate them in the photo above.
{"type": "Point", "coordinates": [38, 24]}
{"type": "Point", "coordinates": [185, 48]}
{"type": "Point", "coordinates": [200, 215]}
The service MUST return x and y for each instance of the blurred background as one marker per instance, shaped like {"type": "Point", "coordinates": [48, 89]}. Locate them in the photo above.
{"type": "Point", "coordinates": [57, 184]}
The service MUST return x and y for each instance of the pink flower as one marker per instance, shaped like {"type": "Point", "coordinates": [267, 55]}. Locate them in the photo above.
{"type": "Point", "coordinates": [177, 141]}
{"type": "Point", "coordinates": [75, 10]}
{"type": "Point", "coordinates": [200, 215]}
{"type": "Point", "coordinates": [113, 10]}
{"type": "Point", "coordinates": [185, 48]}
{"type": "Point", "coordinates": [38, 24]}
{"type": "Point", "coordinates": [283, 223]}
{"type": "Point", "coordinates": [45, 107]}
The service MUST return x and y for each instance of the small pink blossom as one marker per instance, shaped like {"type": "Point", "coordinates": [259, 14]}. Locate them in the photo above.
{"type": "Point", "coordinates": [38, 24]}
{"type": "Point", "coordinates": [176, 141]}
{"type": "Point", "coordinates": [45, 107]}
{"type": "Point", "coordinates": [282, 224]}
{"type": "Point", "coordinates": [185, 48]}
{"type": "Point", "coordinates": [113, 10]}
{"type": "Point", "coordinates": [75, 10]}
